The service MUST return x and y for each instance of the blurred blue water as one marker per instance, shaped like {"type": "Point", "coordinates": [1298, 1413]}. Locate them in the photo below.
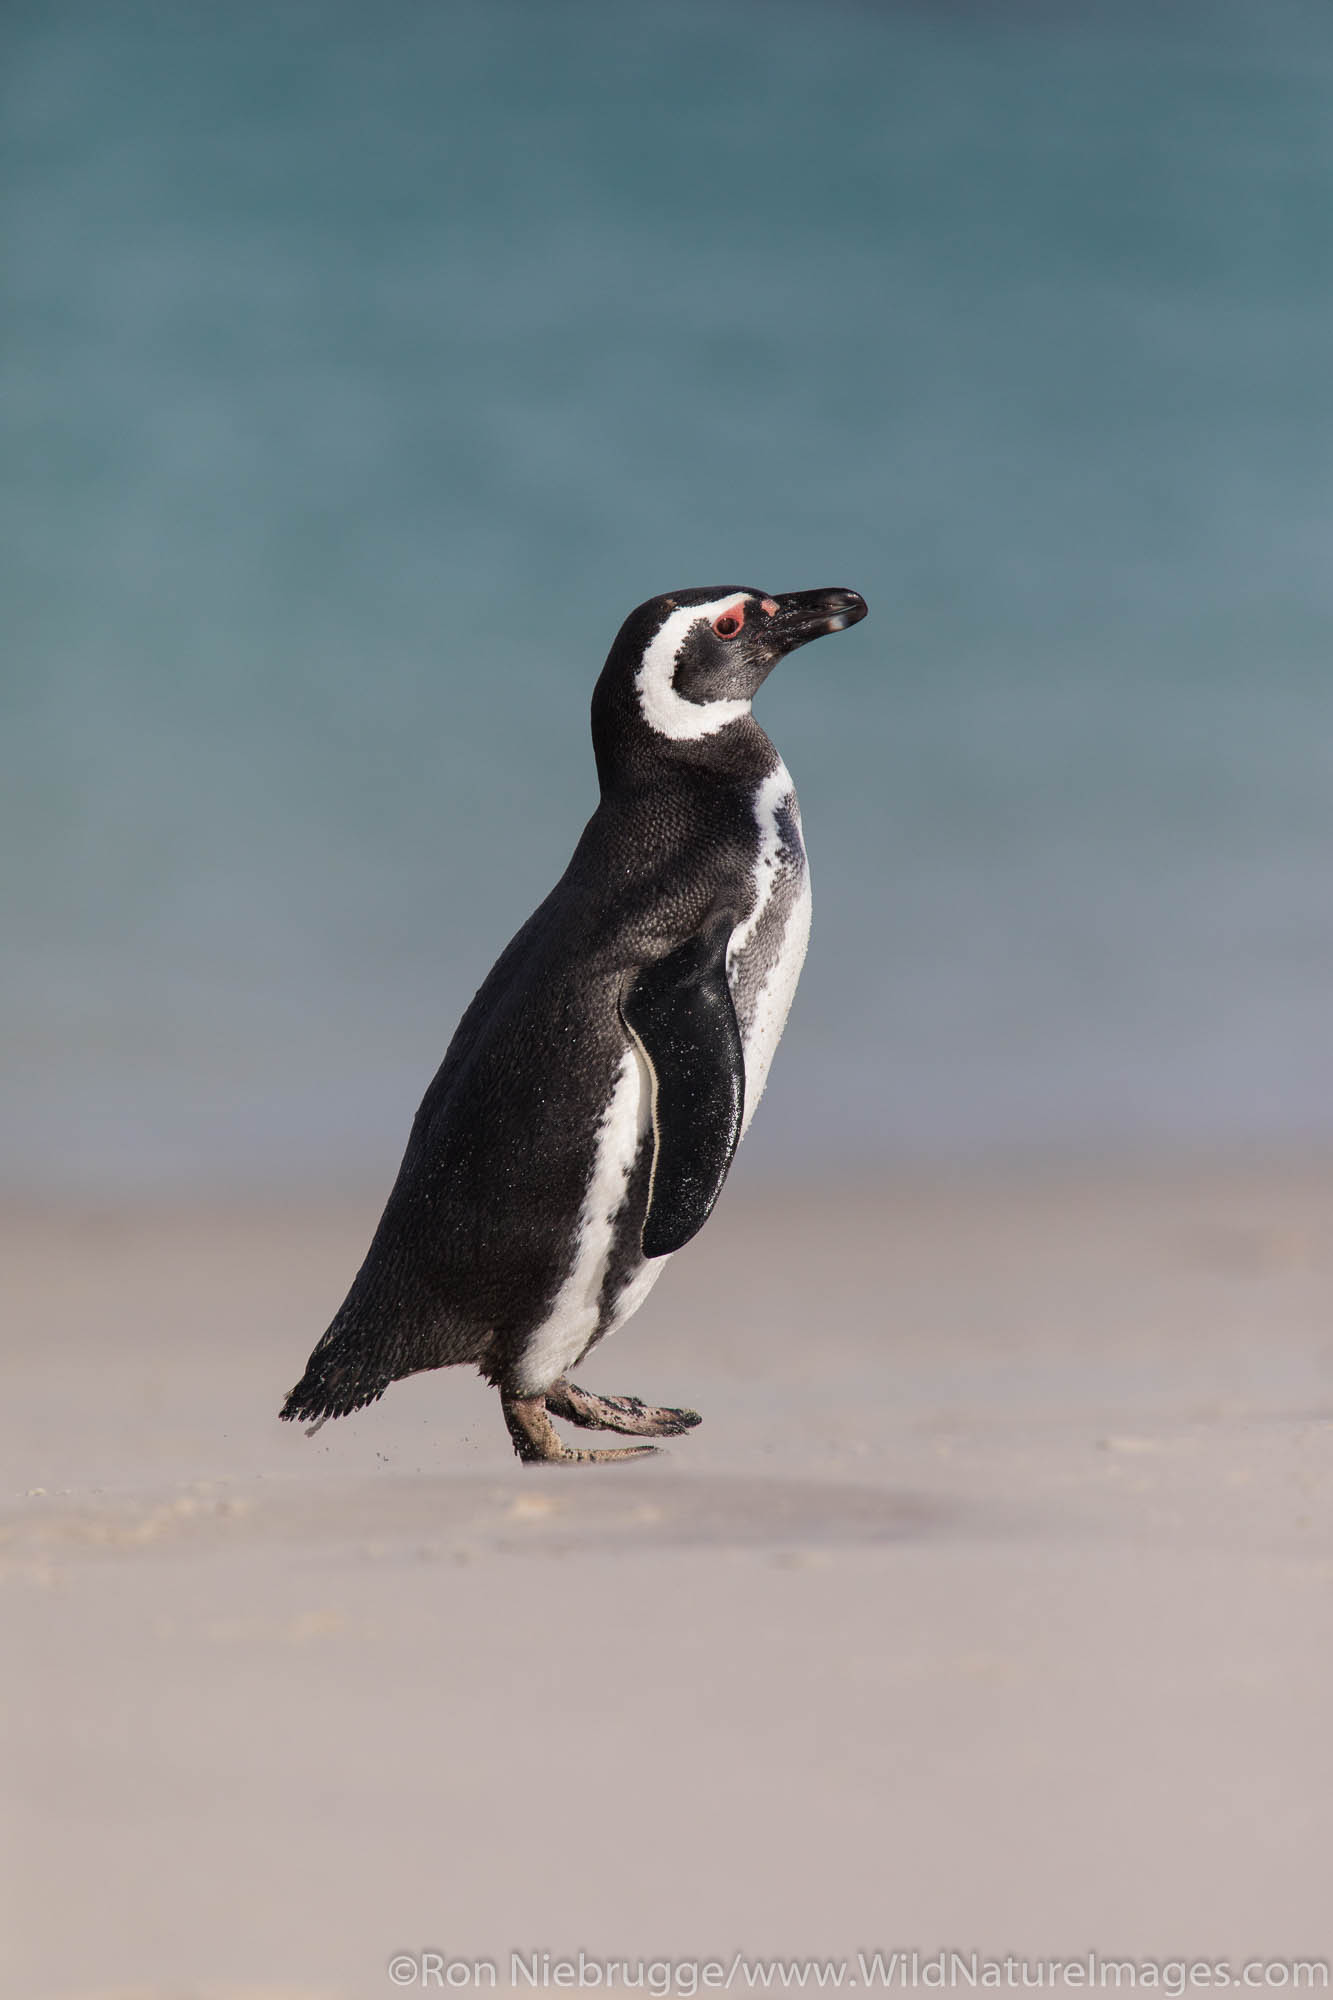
{"type": "Point", "coordinates": [363, 366]}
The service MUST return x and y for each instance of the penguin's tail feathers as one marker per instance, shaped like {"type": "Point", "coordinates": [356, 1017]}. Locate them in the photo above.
{"type": "Point", "coordinates": [343, 1374]}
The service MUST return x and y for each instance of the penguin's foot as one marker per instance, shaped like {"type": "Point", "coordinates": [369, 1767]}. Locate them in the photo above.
{"type": "Point", "coordinates": [616, 1413]}
{"type": "Point", "coordinates": [538, 1443]}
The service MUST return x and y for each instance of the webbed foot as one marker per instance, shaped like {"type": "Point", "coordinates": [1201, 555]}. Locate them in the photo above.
{"type": "Point", "coordinates": [616, 1413]}
{"type": "Point", "coordinates": [538, 1443]}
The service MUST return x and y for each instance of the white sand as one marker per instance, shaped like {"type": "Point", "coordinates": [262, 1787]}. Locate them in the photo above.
{"type": "Point", "coordinates": [991, 1607]}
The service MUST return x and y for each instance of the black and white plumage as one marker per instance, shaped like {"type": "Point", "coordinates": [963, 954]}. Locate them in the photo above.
{"type": "Point", "coordinates": [583, 1121]}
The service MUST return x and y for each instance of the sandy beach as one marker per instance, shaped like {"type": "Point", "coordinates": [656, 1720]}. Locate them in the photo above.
{"type": "Point", "coordinates": [990, 1608]}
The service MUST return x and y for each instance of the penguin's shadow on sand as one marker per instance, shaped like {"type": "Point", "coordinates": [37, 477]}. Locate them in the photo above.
{"type": "Point", "coordinates": [560, 1513]}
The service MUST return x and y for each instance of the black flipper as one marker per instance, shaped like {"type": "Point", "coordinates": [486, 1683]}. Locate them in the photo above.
{"type": "Point", "coordinates": [679, 1012]}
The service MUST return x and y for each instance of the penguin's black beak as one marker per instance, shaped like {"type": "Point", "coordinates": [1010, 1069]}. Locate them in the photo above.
{"type": "Point", "coordinates": [803, 615]}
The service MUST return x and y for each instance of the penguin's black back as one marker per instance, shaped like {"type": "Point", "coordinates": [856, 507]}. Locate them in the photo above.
{"type": "Point", "coordinates": [480, 1227]}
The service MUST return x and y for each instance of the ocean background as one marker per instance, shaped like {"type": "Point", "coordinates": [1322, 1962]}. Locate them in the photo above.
{"type": "Point", "coordinates": [361, 367]}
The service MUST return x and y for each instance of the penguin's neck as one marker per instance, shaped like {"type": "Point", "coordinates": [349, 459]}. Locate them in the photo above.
{"type": "Point", "coordinates": [740, 754]}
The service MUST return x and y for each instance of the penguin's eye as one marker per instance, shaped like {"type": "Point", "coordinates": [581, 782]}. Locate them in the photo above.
{"type": "Point", "coordinates": [729, 624]}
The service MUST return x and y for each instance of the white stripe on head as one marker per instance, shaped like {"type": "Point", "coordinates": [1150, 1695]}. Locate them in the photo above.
{"type": "Point", "coordinates": [662, 707]}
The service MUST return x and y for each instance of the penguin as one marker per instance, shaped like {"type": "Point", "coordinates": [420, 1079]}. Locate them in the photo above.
{"type": "Point", "coordinates": [589, 1106]}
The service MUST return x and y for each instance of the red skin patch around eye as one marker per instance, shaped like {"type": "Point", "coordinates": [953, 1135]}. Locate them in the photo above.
{"type": "Point", "coordinates": [769, 605]}
{"type": "Point", "coordinates": [728, 623]}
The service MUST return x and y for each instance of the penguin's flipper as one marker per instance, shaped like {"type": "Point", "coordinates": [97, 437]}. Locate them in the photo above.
{"type": "Point", "coordinates": [680, 1013]}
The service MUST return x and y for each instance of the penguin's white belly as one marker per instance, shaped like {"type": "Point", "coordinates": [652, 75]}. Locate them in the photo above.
{"type": "Point", "coordinates": [573, 1317]}
{"type": "Point", "coordinates": [764, 959]}
{"type": "Point", "coordinates": [767, 949]}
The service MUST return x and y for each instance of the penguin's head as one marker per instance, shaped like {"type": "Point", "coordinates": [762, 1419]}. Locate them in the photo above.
{"type": "Point", "coordinates": [694, 660]}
